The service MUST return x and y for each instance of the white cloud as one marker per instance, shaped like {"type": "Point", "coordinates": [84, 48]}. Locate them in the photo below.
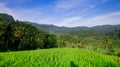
{"type": "Point", "coordinates": [68, 21]}
{"type": "Point", "coordinates": [20, 1]}
{"type": "Point", "coordinates": [4, 9]}
{"type": "Point", "coordinates": [37, 15]}
{"type": "Point", "coordinates": [103, 1]}
{"type": "Point", "coordinates": [44, 21]}
{"type": "Point", "coordinates": [74, 7]}
{"type": "Point", "coordinates": [112, 18]}
{"type": "Point", "coordinates": [67, 4]}
{"type": "Point", "coordinates": [14, 1]}
{"type": "Point", "coordinates": [83, 5]}
{"type": "Point", "coordinates": [32, 15]}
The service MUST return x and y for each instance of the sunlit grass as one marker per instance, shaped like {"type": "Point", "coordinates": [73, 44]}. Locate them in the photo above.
{"type": "Point", "coordinates": [58, 57]}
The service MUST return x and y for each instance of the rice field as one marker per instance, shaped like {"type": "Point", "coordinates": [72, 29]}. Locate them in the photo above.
{"type": "Point", "coordinates": [57, 57]}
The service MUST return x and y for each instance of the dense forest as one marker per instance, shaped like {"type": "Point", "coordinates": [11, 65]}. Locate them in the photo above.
{"type": "Point", "coordinates": [22, 35]}
{"type": "Point", "coordinates": [16, 35]}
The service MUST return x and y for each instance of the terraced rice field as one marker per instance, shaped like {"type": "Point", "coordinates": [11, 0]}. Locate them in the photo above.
{"type": "Point", "coordinates": [57, 57]}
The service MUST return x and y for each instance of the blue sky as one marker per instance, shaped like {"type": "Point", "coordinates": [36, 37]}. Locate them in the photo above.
{"type": "Point", "coordinates": [68, 13]}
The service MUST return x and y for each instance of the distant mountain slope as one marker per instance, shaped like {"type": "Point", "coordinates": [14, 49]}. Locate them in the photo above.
{"type": "Point", "coordinates": [106, 27]}
{"type": "Point", "coordinates": [56, 29]}
{"type": "Point", "coordinates": [53, 28]}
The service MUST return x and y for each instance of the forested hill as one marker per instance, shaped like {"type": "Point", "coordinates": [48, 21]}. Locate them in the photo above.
{"type": "Point", "coordinates": [56, 29]}
{"type": "Point", "coordinates": [80, 31]}
{"type": "Point", "coordinates": [16, 35]}
{"type": "Point", "coordinates": [23, 35]}
{"type": "Point", "coordinates": [6, 18]}
{"type": "Point", "coordinates": [67, 30]}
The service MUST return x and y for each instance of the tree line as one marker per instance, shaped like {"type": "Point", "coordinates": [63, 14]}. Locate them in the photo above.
{"type": "Point", "coordinates": [17, 35]}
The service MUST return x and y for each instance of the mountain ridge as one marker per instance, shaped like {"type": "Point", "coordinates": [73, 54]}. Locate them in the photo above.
{"type": "Point", "coordinates": [52, 27]}
{"type": "Point", "coordinates": [60, 29]}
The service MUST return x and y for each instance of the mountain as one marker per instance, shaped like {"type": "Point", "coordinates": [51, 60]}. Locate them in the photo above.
{"type": "Point", "coordinates": [59, 30]}
{"type": "Point", "coordinates": [106, 27]}
{"type": "Point", "coordinates": [56, 29]}
{"type": "Point", "coordinates": [6, 18]}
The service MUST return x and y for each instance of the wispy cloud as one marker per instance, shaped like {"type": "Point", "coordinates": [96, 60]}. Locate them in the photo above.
{"type": "Point", "coordinates": [103, 1]}
{"type": "Point", "coordinates": [67, 4]}
{"type": "Point", "coordinates": [14, 1]}
{"type": "Point", "coordinates": [72, 7]}
{"type": "Point", "coordinates": [4, 9]}
{"type": "Point", "coordinates": [112, 18]}
{"type": "Point", "coordinates": [33, 15]}
{"type": "Point", "coordinates": [64, 13]}
{"type": "Point", "coordinates": [69, 21]}
{"type": "Point", "coordinates": [20, 1]}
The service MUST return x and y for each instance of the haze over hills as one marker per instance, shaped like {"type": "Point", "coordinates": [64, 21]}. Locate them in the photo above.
{"type": "Point", "coordinates": [59, 33]}
{"type": "Point", "coordinates": [53, 27]}
{"type": "Point", "coordinates": [70, 13]}
{"type": "Point", "coordinates": [57, 29]}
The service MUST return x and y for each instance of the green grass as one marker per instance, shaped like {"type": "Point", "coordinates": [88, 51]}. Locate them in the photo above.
{"type": "Point", "coordinates": [58, 57]}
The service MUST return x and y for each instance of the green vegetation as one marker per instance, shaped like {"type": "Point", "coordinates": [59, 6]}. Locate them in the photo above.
{"type": "Point", "coordinates": [58, 57]}
{"type": "Point", "coordinates": [86, 47]}
{"type": "Point", "coordinates": [17, 35]}
{"type": "Point", "coordinates": [101, 44]}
